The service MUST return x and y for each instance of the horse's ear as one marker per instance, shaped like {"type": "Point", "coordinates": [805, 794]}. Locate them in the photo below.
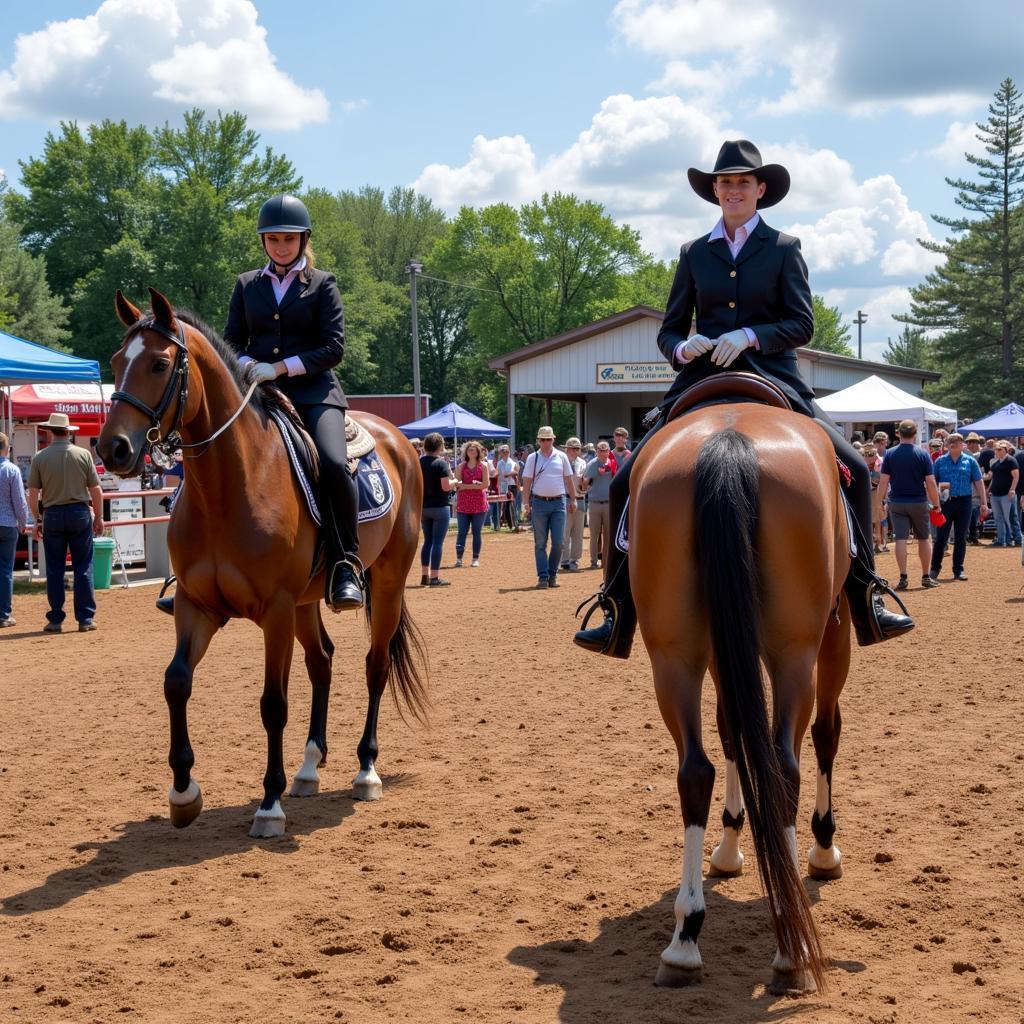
{"type": "Point", "coordinates": [162, 311]}
{"type": "Point", "coordinates": [128, 314]}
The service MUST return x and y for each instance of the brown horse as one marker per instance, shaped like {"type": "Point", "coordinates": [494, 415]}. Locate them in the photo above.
{"type": "Point", "coordinates": [243, 545]}
{"type": "Point", "coordinates": [753, 573]}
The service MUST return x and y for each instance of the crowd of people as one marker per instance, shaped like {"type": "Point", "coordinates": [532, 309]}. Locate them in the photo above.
{"type": "Point", "coordinates": [956, 485]}
{"type": "Point", "coordinates": [557, 490]}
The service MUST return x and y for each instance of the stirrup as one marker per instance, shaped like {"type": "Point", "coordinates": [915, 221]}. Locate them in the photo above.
{"type": "Point", "coordinates": [167, 583]}
{"type": "Point", "coordinates": [619, 640]}
{"type": "Point", "coordinates": [358, 571]}
{"type": "Point", "coordinates": [878, 586]}
{"type": "Point", "coordinates": [602, 602]}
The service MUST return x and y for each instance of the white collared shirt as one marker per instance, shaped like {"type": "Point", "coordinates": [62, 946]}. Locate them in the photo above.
{"type": "Point", "coordinates": [281, 285]}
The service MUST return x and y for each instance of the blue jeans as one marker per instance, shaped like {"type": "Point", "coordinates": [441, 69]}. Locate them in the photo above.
{"type": "Point", "coordinates": [435, 529]}
{"type": "Point", "coordinates": [69, 528]}
{"type": "Point", "coordinates": [466, 520]}
{"type": "Point", "coordinates": [548, 516]}
{"type": "Point", "coordinates": [8, 542]}
{"type": "Point", "coordinates": [958, 519]}
{"type": "Point", "coordinates": [1015, 534]}
{"type": "Point", "coordinates": [1001, 510]}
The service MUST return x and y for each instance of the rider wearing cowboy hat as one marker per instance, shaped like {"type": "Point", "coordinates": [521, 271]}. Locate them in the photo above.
{"type": "Point", "coordinates": [747, 285]}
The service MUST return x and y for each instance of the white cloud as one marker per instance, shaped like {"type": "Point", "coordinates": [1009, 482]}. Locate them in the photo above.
{"type": "Point", "coordinates": [961, 137]}
{"type": "Point", "coordinates": [498, 170]}
{"type": "Point", "coordinates": [149, 59]}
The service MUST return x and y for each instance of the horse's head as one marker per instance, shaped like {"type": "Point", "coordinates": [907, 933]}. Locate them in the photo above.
{"type": "Point", "coordinates": [150, 381]}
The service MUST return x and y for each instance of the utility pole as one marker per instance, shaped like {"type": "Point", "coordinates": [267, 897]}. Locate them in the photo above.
{"type": "Point", "coordinates": [413, 268]}
{"type": "Point", "coordinates": [860, 321]}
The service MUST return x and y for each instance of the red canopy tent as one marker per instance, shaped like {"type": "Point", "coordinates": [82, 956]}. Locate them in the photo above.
{"type": "Point", "coordinates": [81, 402]}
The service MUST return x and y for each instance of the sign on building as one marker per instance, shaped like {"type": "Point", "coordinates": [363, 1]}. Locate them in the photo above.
{"type": "Point", "coordinates": [635, 373]}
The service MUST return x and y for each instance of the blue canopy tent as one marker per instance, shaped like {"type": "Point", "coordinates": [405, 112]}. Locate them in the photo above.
{"type": "Point", "coordinates": [453, 421]}
{"type": "Point", "coordinates": [24, 362]}
{"type": "Point", "coordinates": [1005, 422]}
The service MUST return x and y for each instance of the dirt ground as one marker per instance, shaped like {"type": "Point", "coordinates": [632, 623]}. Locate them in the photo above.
{"type": "Point", "coordinates": [523, 862]}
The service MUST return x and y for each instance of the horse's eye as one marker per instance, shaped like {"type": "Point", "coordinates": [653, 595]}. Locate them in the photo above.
{"type": "Point", "coordinates": [160, 365]}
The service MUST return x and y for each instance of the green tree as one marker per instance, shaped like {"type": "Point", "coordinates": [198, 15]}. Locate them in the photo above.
{"type": "Point", "coordinates": [830, 333]}
{"type": "Point", "coordinates": [975, 298]}
{"type": "Point", "coordinates": [28, 309]}
{"type": "Point", "coordinates": [911, 348]}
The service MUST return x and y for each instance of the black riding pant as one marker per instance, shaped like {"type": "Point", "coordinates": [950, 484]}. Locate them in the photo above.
{"type": "Point", "coordinates": [858, 494]}
{"type": "Point", "coordinates": [339, 497]}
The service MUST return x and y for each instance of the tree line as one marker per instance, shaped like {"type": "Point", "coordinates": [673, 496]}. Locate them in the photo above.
{"type": "Point", "coordinates": [119, 206]}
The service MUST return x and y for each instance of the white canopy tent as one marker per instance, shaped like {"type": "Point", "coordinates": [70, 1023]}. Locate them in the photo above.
{"type": "Point", "coordinates": [874, 400]}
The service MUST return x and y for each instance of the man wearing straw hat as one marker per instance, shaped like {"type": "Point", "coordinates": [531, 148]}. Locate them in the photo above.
{"type": "Point", "coordinates": [64, 476]}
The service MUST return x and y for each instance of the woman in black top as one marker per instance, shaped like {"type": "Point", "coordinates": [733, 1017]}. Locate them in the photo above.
{"type": "Point", "coordinates": [438, 482]}
{"type": "Point", "coordinates": [287, 319]}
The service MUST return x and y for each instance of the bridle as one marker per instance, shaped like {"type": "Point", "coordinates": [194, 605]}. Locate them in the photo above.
{"type": "Point", "coordinates": [177, 383]}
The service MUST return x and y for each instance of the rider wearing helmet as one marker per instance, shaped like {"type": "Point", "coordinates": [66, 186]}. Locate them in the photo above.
{"type": "Point", "coordinates": [287, 319]}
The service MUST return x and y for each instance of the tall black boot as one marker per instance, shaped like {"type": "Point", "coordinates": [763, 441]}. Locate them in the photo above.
{"type": "Point", "coordinates": [344, 581]}
{"type": "Point", "coordinates": [872, 621]}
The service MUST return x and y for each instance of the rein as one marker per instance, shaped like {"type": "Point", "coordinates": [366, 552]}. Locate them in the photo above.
{"type": "Point", "coordinates": [166, 446]}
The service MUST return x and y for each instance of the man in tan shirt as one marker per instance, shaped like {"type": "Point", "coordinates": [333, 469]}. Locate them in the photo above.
{"type": "Point", "coordinates": [64, 475]}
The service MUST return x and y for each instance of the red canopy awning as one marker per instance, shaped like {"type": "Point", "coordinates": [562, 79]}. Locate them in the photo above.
{"type": "Point", "coordinates": [81, 402]}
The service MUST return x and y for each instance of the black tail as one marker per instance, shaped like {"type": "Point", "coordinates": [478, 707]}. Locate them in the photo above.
{"type": "Point", "coordinates": [727, 477]}
{"type": "Point", "coordinates": [407, 651]}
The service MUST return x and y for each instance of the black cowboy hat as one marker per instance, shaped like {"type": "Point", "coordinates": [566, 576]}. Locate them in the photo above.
{"type": "Point", "coordinates": [742, 157]}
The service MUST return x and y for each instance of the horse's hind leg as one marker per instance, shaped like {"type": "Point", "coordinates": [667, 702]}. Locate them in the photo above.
{"type": "Point", "coordinates": [727, 858]}
{"type": "Point", "coordinates": [278, 626]}
{"type": "Point", "coordinates": [319, 649]}
{"type": "Point", "coordinates": [824, 860]}
{"type": "Point", "coordinates": [678, 689]}
{"type": "Point", "coordinates": [194, 631]}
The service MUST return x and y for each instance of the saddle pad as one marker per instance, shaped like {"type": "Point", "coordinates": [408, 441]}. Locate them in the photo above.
{"type": "Point", "coordinates": [300, 467]}
{"type": "Point", "coordinates": [358, 440]}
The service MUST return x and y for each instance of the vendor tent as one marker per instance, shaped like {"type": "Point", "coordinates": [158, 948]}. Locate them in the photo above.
{"type": "Point", "coordinates": [453, 421]}
{"type": "Point", "coordinates": [1005, 422]}
{"type": "Point", "coordinates": [874, 400]}
{"type": "Point", "coordinates": [23, 362]}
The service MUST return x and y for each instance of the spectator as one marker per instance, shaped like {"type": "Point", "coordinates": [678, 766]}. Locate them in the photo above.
{"type": "Point", "coordinates": [474, 477]}
{"type": "Point", "coordinates": [874, 464]}
{"type": "Point", "coordinates": [508, 486]}
{"type": "Point", "coordinates": [13, 523]}
{"type": "Point", "coordinates": [589, 454]}
{"type": "Point", "coordinates": [881, 442]}
{"type": "Point", "coordinates": [493, 507]}
{"type": "Point", "coordinates": [958, 477]}
{"type": "Point", "coordinates": [437, 510]}
{"type": "Point", "coordinates": [986, 455]}
{"type": "Point", "coordinates": [909, 470]}
{"type": "Point", "coordinates": [574, 520]}
{"type": "Point", "coordinates": [1018, 457]}
{"type": "Point", "coordinates": [1004, 474]}
{"type": "Point", "coordinates": [973, 445]}
{"type": "Point", "coordinates": [597, 479]}
{"type": "Point", "coordinates": [548, 493]}
{"type": "Point", "coordinates": [63, 480]}
{"type": "Point", "coordinates": [620, 453]}
{"type": "Point", "coordinates": [935, 448]}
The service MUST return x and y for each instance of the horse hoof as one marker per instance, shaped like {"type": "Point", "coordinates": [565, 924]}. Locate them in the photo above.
{"type": "Point", "coordinates": [714, 872]}
{"type": "Point", "coordinates": [304, 787]}
{"type": "Point", "coordinates": [791, 983]}
{"type": "Point", "coordinates": [268, 824]}
{"type": "Point", "coordinates": [368, 790]}
{"type": "Point", "coordinates": [825, 874]}
{"type": "Point", "coordinates": [677, 977]}
{"type": "Point", "coordinates": [183, 814]}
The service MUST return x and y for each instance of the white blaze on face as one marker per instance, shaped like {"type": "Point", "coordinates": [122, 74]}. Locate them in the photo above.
{"type": "Point", "coordinates": [133, 350]}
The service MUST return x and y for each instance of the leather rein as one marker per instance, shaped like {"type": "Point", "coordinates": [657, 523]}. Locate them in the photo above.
{"type": "Point", "coordinates": [177, 384]}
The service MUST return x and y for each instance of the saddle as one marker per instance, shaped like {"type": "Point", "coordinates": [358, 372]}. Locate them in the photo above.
{"type": "Point", "coordinates": [732, 386]}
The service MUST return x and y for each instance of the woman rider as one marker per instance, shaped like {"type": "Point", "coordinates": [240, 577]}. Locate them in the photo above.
{"type": "Point", "coordinates": [286, 319]}
{"type": "Point", "coordinates": [747, 284]}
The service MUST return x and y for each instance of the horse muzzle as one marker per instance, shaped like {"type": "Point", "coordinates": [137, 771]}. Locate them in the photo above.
{"type": "Point", "coordinates": [122, 454]}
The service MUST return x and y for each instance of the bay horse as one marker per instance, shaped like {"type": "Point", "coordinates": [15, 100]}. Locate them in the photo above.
{"type": "Point", "coordinates": [739, 547]}
{"type": "Point", "coordinates": [243, 545]}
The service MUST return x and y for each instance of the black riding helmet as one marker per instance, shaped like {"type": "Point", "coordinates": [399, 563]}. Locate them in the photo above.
{"type": "Point", "coordinates": [285, 214]}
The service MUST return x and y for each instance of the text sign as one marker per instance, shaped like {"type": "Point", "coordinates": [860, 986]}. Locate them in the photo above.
{"type": "Point", "coordinates": [635, 373]}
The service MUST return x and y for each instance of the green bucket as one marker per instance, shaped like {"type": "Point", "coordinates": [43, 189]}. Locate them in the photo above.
{"type": "Point", "coordinates": [102, 562]}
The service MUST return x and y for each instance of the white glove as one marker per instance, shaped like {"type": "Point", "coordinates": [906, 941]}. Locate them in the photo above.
{"type": "Point", "coordinates": [729, 346]}
{"type": "Point", "coordinates": [696, 345]}
{"type": "Point", "coordinates": [264, 371]}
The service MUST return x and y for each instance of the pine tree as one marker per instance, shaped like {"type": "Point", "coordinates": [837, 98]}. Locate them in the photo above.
{"type": "Point", "coordinates": [911, 348]}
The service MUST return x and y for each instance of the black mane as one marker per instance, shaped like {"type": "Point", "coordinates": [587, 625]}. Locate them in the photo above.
{"type": "Point", "coordinates": [227, 354]}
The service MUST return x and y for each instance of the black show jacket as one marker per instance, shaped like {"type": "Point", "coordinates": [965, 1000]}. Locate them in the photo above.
{"type": "Point", "coordinates": [309, 323]}
{"type": "Point", "coordinates": [765, 289]}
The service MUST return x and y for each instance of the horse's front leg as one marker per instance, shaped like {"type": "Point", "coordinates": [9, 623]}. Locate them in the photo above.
{"type": "Point", "coordinates": [319, 650]}
{"type": "Point", "coordinates": [194, 630]}
{"type": "Point", "coordinates": [278, 627]}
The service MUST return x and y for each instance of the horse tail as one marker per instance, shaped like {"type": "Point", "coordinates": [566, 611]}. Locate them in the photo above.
{"type": "Point", "coordinates": [726, 514]}
{"type": "Point", "coordinates": [407, 651]}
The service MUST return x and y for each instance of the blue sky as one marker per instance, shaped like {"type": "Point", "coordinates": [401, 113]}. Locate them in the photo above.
{"type": "Point", "coordinates": [869, 105]}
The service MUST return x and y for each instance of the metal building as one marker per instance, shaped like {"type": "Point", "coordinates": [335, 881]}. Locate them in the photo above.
{"type": "Point", "coordinates": [614, 373]}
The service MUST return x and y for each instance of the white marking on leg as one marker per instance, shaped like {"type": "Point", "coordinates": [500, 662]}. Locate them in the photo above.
{"type": "Point", "coordinates": [783, 963]}
{"type": "Point", "coordinates": [727, 856]}
{"type": "Point", "coordinates": [184, 799]}
{"type": "Point", "coordinates": [367, 785]}
{"type": "Point", "coordinates": [689, 900]}
{"type": "Point", "coordinates": [307, 778]}
{"type": "Point", "coordinates": [818, 857]}
{"type": "Point", "coordinates": [823, 795]}
{"type": "Point", "coordinates": [267, 824]}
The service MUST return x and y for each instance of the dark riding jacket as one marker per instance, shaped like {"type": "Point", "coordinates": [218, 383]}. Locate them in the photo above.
{"type": "Point", "coordinates": [309, 323]}
{"type": "Point", "coordinates": [765, 289]}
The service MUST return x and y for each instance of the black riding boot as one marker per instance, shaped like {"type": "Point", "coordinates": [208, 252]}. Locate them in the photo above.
{"type": "Point", "coordinates": [166, 604]}
{"type": "Point", "coordinates": [344, 582]}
